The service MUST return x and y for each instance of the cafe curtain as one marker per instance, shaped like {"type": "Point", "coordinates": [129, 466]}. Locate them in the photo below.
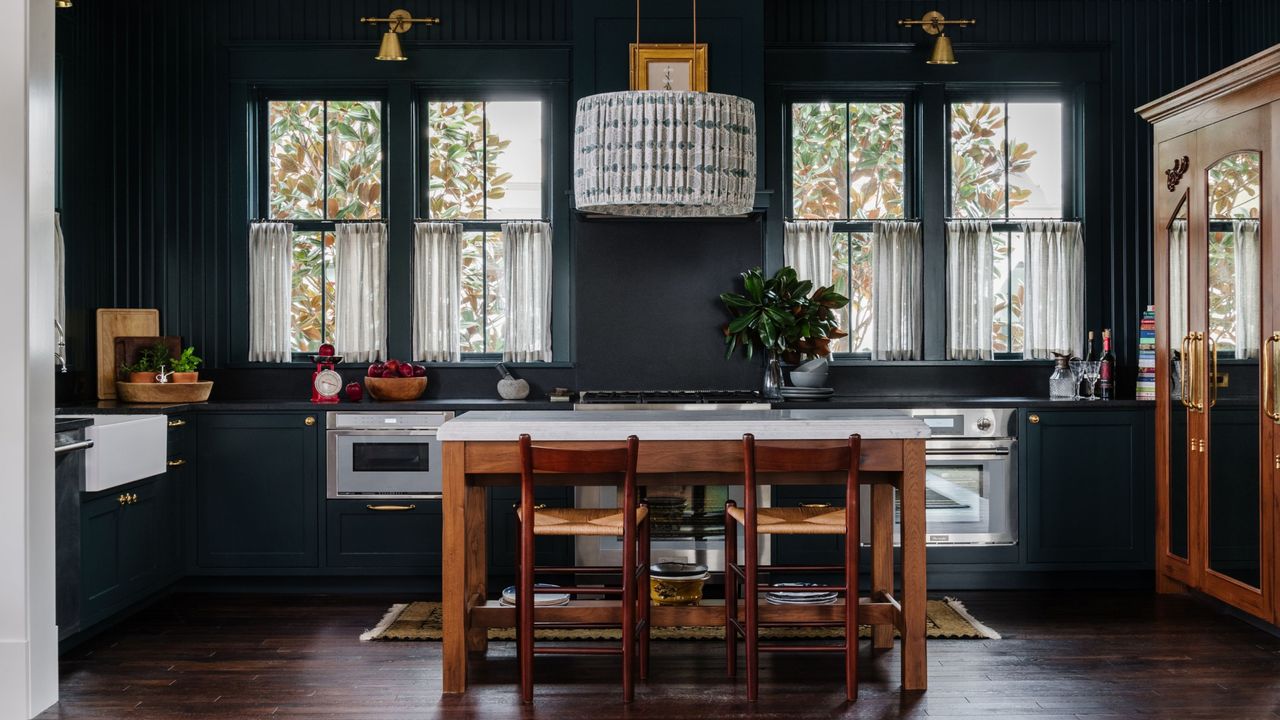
{"type": "Point", "coordinates": [1248, 257]}
{"type": "Point", "coordinates": [806, 247]}
{"type": "Point", "coordinates": [1053, 305]}
{"type": "Point", "coordinates": [970, 265]}
{"type": "Point", "coordinates": [270, 278]}
{"type": "Point", "coordinates": [527, 291]}
{"type": "Point", "coordinates": [1177, 283]}
{"type": "Point", "coordinates": [437, 291]}
{"type": "Point", "coordinates": [896, 279]}
{"type": "Point", "coordinates": [360, 297]}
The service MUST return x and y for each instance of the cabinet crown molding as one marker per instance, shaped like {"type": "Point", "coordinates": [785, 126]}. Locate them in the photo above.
{"type": "Point", "coordinates": [1231, 79]}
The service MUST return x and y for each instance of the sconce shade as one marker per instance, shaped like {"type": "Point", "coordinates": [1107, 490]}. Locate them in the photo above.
{"type": "Point", "coordinates": [62, 4]}
{"type": "Point", "coordinates": [942, 53]}
{"type": "Point", "coordinates": [390, 49]}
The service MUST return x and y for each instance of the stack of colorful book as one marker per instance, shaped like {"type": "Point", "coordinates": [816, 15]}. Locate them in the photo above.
{"type": "Point", "coordinates": [1147, 355]}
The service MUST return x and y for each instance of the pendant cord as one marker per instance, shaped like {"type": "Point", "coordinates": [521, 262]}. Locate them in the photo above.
{"type": "Point", "coordinates": [695, 23]}
{"type": "Point", "coordinates": [637, 22]}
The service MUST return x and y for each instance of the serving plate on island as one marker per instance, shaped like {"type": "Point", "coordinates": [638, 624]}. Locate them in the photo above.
{"type": "Point", "coordinates": [802, 393]}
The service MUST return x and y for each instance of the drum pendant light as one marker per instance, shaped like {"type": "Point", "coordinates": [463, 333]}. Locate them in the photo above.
{"type": "Point", "coordinates": [665, 153]}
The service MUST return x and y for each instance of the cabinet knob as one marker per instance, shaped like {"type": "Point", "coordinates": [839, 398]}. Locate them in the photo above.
{"type": "Point", "coordinates": [311, 420]}
{"type": "Point", "coordinates": [177, 423]}
{"type": "Point", "coordinates": [1033, 419]}
{"type": "Point", "coordinates": [177, 462]}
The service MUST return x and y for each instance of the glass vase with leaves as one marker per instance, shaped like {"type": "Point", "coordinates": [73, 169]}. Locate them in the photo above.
{"type": "Point", "coordinates": [781, 315]}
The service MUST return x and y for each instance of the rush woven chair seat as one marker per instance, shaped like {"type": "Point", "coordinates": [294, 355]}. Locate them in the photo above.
{"type": "Point", "coordinates": [790, 458]}
{"type": "Point", "coordinates": [630, 522]}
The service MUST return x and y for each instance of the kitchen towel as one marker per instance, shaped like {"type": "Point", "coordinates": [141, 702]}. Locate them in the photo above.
{"type": "Point", "coordinates": [1248, 258]}
{"type": "Point", "coordinates": [360, 297]}
{"type": "Point", "coordinates": [270, 288]}
{"type": "Point", "coordinates": [526, 246]}
{"type": "Point", "coordinates": [896, 297]}
{"type": "Point", "coordinates": [806, 247]}
{"type": "Point", "coordinates": [437, 291]}
{"type": "Point", "coordinates": [970, 264]}
{"type": "Point", "coordinates": [1053, 308]}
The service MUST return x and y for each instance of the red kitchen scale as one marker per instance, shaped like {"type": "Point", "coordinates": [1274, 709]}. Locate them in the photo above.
{"type": "Point", "coordinates": [325, 381]}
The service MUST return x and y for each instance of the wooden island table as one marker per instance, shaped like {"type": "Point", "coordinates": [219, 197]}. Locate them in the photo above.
{"type": "Point", "coordinates": [682, 447]}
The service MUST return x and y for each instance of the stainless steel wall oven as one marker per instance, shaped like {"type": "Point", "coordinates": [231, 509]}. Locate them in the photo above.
{"type": "Point", "coordinates": [390, 455]}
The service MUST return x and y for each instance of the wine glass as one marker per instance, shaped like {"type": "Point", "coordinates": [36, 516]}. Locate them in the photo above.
{"type": "Point", "coordinates": [1092, 369]}
{"type": "Point", "coordinates": [1076, 366]}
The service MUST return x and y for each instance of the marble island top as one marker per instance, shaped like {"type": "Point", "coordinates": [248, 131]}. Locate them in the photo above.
{"type": "Point", "coordinates": [684, 425]}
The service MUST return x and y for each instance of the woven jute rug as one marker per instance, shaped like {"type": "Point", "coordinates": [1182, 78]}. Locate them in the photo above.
{"type": "Point", "coordinates": [947, 618]}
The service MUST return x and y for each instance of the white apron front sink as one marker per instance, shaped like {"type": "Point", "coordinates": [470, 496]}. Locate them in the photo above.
{"type": "Point", "coordinates": [125, 448]}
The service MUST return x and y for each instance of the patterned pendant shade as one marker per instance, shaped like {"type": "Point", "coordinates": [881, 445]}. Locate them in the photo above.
{"type": "Point", "coordinates": [665, 153]}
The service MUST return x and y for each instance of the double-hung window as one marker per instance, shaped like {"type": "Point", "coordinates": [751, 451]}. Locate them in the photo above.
{"type": "Point", "coordinates": [323, 164]}
{"type": "Point", "coordinates": [1006, 166]}
{"type": "Point", "coordinates": [482, 164]}
{"type": "Point", "coordinates": [848, 165]}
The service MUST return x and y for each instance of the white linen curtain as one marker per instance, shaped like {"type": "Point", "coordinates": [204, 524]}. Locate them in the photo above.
{"type": "Point", "coordinates": [806, 246]}
{"type": "Point", "coordinates": [970, 264]}
{"type": "Point", "coordinates": [59, 287]}
{"type": "Point", "coordinates": [270, 288]}
{"type": "Point", "coordinates": [1248, 302]}
{"type": "Point", "coordinates": [1053, 308]}
{"type": "Point", "coordinates": [1177, 283]}
{"type": "Point", "coordinates": [437, 291]}
{"type": "Point", "coordinates": [897, 299]}
{"type": "Point", "coordinates": [527, 291]}
{"type": "Point", "coordinates": [360, 302]}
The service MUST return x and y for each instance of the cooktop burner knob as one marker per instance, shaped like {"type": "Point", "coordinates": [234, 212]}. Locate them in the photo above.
{"type": "Point", "coordinates": [984, 424]}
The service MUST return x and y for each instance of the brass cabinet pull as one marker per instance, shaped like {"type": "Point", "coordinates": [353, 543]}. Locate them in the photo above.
{"type": "Point", "coordinates": [1213, 373]}
{"type": "Point", "coordinates": [123, 499]}
{"type": "Point", "coordinates": [1268, 383]}
{"type": "Point", "coordinates": [1197, 372]}
{"type": "Point", "coordinates": [1033, 419]}
{"type": "Point", "coordinates": [177, 423]}
{"type": "Point", "coordinates": [311, 420]}
{"type": "Point", "coordinates": [177, 462]}
{"type": "Point", "coordinates": [1182, 371]}
{"type": "Point", "coordinates": [391, 508]}
{"type": "Point", "coordinates": [815, 505]}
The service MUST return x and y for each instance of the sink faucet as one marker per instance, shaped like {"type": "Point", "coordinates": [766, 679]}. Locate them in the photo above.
{"type": "Point", "coordinates": [60, 354]}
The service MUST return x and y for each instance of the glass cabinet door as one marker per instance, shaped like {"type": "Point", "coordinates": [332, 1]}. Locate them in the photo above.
{"type": "Point", "coordinates": [1233, 349]}
{"type": "Point", "coordinates": [1177, 346]}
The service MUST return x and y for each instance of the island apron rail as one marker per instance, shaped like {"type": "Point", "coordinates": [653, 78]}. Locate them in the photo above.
{"type": "Point", "coordinates": [470, 466]}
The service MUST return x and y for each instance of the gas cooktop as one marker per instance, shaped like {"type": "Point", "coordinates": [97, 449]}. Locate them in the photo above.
{"type": "Point", "coordinates": [670, 400]}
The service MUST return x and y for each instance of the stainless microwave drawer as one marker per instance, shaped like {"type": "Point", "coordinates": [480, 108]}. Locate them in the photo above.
{"type": "Point", "coordinates": [383, 464]}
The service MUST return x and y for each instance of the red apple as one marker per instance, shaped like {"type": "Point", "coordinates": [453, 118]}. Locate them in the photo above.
{"type": "Point", "coordinates": [389, 373]}
{"type": "Point", "coordinates": [419, 371]}
{"type": "Point", "coordinates": [406, 370]}
{"type": "Point", "coordinates": [355, 393]}
{"type": "Point", "coordinates": [375, 370]}
{"type": "Point", "coordinates": [393, 365]}
{"type": "Point", "coordinates": [326, 350]}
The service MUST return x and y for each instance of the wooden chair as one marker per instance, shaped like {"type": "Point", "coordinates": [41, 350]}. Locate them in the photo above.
{"type": "Point", "coordinates": [630, 522]}
{"type": "Point", "coordinates": [791, 458]}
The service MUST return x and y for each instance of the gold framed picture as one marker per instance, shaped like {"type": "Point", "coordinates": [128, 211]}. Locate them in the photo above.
{"type": "Point", "coordinates": [669, 66]}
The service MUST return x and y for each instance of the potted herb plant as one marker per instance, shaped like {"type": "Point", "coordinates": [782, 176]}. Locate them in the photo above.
{"type": "Point", "coordinates": [149, 363]}
{"type": "Point", "coordinates": [186, 366]}
{"type": "Point", "coordinates": [781, 315]}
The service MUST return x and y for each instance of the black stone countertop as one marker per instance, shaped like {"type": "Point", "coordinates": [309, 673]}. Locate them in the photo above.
{"type": "Point", "coordinates": [896, 402]}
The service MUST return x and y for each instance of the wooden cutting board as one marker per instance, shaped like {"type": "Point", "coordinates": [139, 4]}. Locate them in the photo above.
{"type": "Point", "coordinates": [120, 322]}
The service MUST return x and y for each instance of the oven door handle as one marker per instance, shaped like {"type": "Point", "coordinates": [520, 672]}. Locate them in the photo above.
{"type": "Point", "coordinates": [970, 454]}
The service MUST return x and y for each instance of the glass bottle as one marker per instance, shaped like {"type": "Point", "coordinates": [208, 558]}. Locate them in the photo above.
{"type": "Point", "coordinates": [772, 387]}
{"type": "Point", "coordinates": [1062, 383]}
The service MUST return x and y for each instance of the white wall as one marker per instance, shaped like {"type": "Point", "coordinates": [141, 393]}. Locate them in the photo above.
{"type": "Point", "coordinates": [28, 636]}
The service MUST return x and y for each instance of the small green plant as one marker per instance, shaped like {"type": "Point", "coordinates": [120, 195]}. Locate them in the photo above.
{"type": "Point", "coordinates": [186, 362]}
{"type": "Point", "coordinates": [780, 315]}
{"type": "Point", "coordinates": [149, 360]}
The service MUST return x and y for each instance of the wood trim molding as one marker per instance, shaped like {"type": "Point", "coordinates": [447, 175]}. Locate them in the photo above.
{"type": "Point", "coordinates": [1251, 70]}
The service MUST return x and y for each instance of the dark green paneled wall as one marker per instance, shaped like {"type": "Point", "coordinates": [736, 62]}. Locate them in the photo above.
{"type": "Point", "coordinates": [145, 129]}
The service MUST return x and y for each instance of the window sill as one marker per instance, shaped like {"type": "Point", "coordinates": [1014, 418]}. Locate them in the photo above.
{"type": "Point", "coordinates": [470, 364]}
{"type": "Point", "coordinates": [859, 362]}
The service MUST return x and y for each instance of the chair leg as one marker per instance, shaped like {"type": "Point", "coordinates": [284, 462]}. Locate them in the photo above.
{"type": "Point", "coordinates": [751, 593]}
{"type": "Point", "coordinates": [851, 599]}
{"type": "Point", "coordinates": [628, 613]}
{"type": "Point", "coordinates": [730, 592]}
{"type": "Point", "coordinates": [524, 614]}
{"type": "Point", "coordinates": [643, 599]}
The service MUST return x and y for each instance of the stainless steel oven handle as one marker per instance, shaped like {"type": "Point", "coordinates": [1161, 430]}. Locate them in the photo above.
{"type": "Point", "coordinates": [970, 454]}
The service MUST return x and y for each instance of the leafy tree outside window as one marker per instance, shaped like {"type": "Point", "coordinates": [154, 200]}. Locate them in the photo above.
{"type": "Point", "coordinates": [324, 163]}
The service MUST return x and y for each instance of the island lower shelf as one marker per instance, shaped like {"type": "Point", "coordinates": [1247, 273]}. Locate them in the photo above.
{"type": "Point", "coordinates": [881, 610]}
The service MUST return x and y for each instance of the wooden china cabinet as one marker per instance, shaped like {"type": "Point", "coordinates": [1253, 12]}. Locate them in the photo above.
{"type": "Point", "coordinates": [1217, 270]}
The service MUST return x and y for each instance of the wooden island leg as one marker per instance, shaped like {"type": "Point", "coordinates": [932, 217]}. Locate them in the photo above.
{"type": "Point", "coordinates": [881, 557]}
{"type": "Point", "coordinates": [454, 571]}
{"type": "Point", "coordinates": [914, 662]}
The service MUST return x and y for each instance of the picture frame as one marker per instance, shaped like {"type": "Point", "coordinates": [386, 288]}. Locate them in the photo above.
{"type": "Point", "coordinates": [669, 66]}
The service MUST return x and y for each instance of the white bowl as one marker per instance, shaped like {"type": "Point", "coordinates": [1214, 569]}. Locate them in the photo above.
{"type": "Point", "coordinates": [808, 379]}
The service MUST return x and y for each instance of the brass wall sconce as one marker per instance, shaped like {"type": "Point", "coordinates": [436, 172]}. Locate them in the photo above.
{"type": "Point", "coordinates": [62, 4]}
{"type": "Point", "coordinates": [399, 22]}
{"type": "Point", "coordinates": [935, 24]}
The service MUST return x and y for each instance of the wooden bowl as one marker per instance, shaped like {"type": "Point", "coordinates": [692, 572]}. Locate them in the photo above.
{"type": "Point", "coordinates": [164, 392]}
{"type": "Point", "coordinates": [392, 389]}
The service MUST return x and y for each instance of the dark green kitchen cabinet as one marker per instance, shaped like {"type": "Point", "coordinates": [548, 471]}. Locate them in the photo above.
{"type": "Point", "coordinates": [1088, 480]}
{"type": "Point", "coordinates": [550, 551]}
{"type": "Point", "coordinates": [806, 549]}
{"type": "Point", "coordinates": [257, 486]}
{"type": "Point", "coordinates": [386, 536]}
{"type": "Point", "coordinates": [126, 534]}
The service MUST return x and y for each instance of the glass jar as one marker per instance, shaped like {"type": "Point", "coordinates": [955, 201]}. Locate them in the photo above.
{"type": "Point", "coordinates": [1063, 382]}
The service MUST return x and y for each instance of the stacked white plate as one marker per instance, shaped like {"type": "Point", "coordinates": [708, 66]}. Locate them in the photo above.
{"type": "Point", "coordinates": [799, 596]}
{"type": "Point", "coordinates": [803, 393]}
{"type": "Point", "coordinates": [539, 599]}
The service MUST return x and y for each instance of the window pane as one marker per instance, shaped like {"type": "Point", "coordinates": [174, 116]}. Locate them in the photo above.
{"type": "Point", "coordinates": [1233, 186]}
{"type": "Point", "coordinates": [819, 187]}
{"type": "Point", "coordinates": [1035, 160]}
{"type": "Point", "coordinates": [514, 167]}
{"type": "Point", "coordinates": [876, 164]}
{"type": "Point", "coordinates": [313, 291]}
{"type": "Point", "coordinates": [1222, 290]}
{"type": "Point", "coordinates": [495, 308]}
{"type": "Point", "coordinates": [977, 160]}
{"type": "Point", "coordinates": [474, 292]}
{"type": "Point", "coordinates": [355, 160]}
{"type": "Point", "coordinates": [295, 134]}
{"type": "Point", "coordinates": [455, 158]}
{"type": "Point", "coordinates": [840, 281]}
{"type": "Point", "coordinates": [860, 327]}
{"type": "Point", "coordinates": [1007, 284]}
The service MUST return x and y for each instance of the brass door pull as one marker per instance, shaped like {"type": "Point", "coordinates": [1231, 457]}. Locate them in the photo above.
{"type": "Point", "coordinates": [177, 462]}
{"type": "Point", "coordinates": [1033, 419]}
{"type": "Point", "coordinates": [1182, 371]}
{"type": "Point", "coordinates": [1268, 378]}
{"type": "Point", "coordinates": [177, 423]}
{"type": "Point", "coordinates": [391, 508]}
{"type": "Point", "coordinates": [127, 499]}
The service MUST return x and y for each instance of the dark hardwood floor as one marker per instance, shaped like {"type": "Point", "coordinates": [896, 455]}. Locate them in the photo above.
{"type": "Point", "coordinates": [1065, 655]}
